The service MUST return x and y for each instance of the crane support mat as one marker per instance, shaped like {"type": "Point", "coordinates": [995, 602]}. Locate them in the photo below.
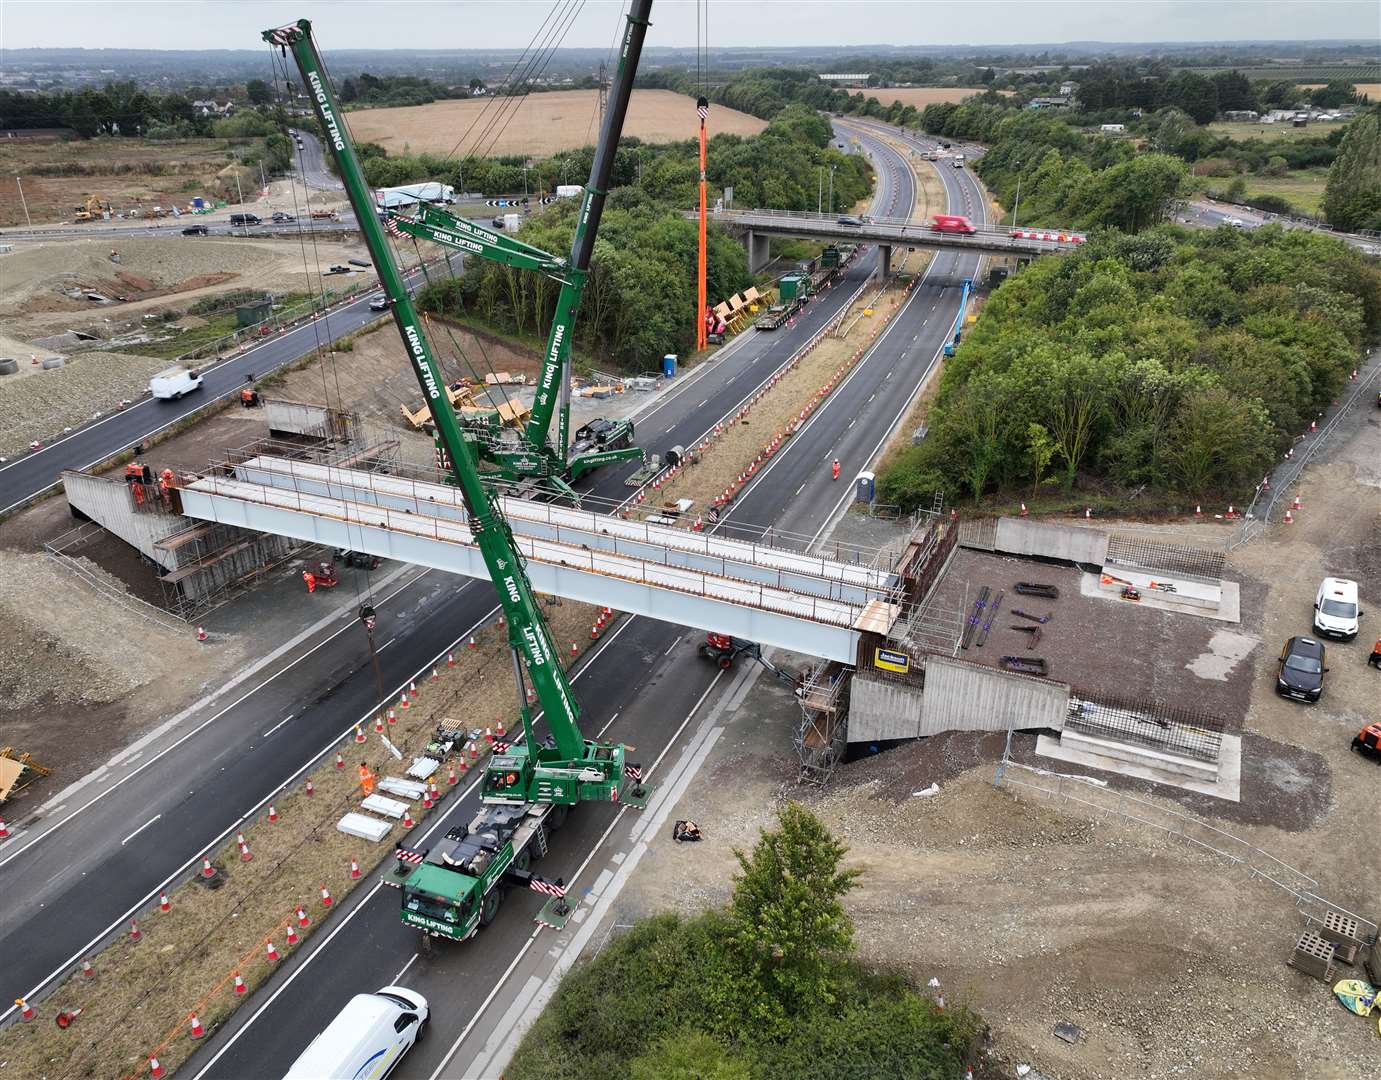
{"type": "Point", "coordinates": [365, 827]}
{"type": "Point", "coordinates": [1026, 665]}
{"type": "Point", "coordinates": [555, 913]}
{"type": "Point", "coordinates": [636, 794]}
{"type": "Point", "coordinates": [1035, 588]}
{"type": "Point", "coordinates": [385, 807]}
{"type": "Point", "coordinates": [412, 790]}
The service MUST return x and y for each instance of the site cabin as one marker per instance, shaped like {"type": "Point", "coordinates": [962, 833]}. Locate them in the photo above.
{"type": "Point", "coordinates": [952, 223]}
{"type": "Point", "coordinates": [173, 383]}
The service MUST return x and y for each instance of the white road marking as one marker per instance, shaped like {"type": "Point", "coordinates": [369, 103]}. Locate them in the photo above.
{"type": "Point", "coordinates": [395, 980]}
{"type": "Point", "coordinates": [278, 725]}
{"type": "Point", "coordinates": [141, 828]}
{"type": "Point", "coordinates": [386, 644]}
{"type": "Point", "coordinates": [703, 403]}
{"type": "Point", "coordinates": [801, 488]}
{"type": "Point", "coordinates": [672, 646]}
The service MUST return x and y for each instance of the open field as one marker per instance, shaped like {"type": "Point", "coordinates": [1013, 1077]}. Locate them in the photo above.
{"type": "Point", "coordinates": [1303, 189]}
{"type": "Point", "coordinates": [921, 96]}
{"type": "Point", "coordinates": [1371, 89]}
{"type": "Point", "coordinates": [541, 123]}
{"type": "Point", "coordinates": [1279, 132]}
{"type": "Point", "coordinates": [127, 173]}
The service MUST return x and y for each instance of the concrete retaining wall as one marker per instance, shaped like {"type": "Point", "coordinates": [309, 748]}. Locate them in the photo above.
{"type": "Point", "coordinates": [1069, 543]}
{"type": "Point", "coordinates": [958, 696]}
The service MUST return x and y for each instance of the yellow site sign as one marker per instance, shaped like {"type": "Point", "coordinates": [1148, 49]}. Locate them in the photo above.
{"type": "Point", "coordinates": [891, 660]}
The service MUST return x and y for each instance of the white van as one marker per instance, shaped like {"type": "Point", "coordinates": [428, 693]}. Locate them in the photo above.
{"type": "Point", "coordinates": [1335, 608]}
{"type": "Point", "coordinates": [366, 1039]}
{"type": "Point", "coordinates": [173, 383]}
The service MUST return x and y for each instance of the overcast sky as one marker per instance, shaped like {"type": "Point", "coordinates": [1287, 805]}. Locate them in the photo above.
{"type": "Point", "coordinates": [457, 24]}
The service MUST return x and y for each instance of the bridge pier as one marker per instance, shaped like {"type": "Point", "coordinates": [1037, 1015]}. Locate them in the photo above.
{"type": "Point", "coordinates": [884, 262]}
{"type": "Point", "coordinates": [759, 247]}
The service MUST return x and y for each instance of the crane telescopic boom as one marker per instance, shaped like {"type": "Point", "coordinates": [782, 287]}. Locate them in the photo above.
{"type": "Point", "coordinates": [574, 768]}
{"type": "Point", "coordinates": [542, 455]}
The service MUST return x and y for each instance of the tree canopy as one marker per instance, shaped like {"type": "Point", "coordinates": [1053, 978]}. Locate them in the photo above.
{"type": "Point", "coordinates": [1186, 361]}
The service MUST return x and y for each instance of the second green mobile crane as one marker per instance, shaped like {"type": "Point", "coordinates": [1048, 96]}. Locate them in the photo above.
{"type": "Point", "coordinates": [538, 454]}
{"type": "Point", "coordinates": [530, 785]}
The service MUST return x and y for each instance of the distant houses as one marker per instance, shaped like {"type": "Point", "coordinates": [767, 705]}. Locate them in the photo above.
{"type": "Point", "coordinates": [208, 107]}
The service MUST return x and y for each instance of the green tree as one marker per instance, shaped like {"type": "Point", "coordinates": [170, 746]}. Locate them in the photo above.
{"type": "Point", "coordinates": [1334, 93]}
{"type": "Point", "coordinates": [689, 1055]}
{"type": "Point", "coordinates": [1040, 449]}
{"type": "Point", "coordinates": [788, 919]}
{"type": "Point", "coordinates": [1352, 196]}
{"type": "Point", "coordinates": [258, 92]}
{"type": "Point", "coordinates": [1219, 441]}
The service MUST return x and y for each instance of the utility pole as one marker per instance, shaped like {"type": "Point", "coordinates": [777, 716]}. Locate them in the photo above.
{"type": "Point", "coordinates": [820, 191]}
{"type": "Point", "coordinates": [263, 177]}
{"type": "Point", "coordinates": [24, 201]}
{"type": "Point", "coordinates": [832, 168]}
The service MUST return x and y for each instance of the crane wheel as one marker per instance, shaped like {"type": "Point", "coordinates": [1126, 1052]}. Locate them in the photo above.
{"type": "Point", "coordinates": [523, 859]}
{"type": "Point", "coordinates": [489, 906]}
{"type": "Point", "coordinates": [725, 662]}
{"type": "Point", "coordinates": [557, 818]}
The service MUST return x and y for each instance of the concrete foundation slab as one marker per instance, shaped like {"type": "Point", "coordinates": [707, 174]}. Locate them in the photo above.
{"type": "Point", "coordinates": [1229, 607]}
{"type": "Point", "coordinates": [1228, 786]}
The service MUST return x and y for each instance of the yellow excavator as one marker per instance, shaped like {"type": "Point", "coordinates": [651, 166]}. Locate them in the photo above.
{"type": "Point", "coordinates": [91, 210]}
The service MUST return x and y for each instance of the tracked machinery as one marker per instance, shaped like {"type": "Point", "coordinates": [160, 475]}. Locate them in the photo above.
{"type": "Point", "coordinates": [527, 787]}
{"type": "Point", "coordinates": [537, 454]}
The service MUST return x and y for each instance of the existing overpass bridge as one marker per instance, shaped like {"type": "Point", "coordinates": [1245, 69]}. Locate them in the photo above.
{"type": "Point", "coordinates": [767, 594]}
{"type": "Point", "coordinates": [758, 227]}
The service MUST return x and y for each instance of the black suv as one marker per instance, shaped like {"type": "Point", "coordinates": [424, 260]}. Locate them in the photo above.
{"type": "Point", "coordinates": [196, 230]}
{"type": "Point", "coordinates": [1302, 669]}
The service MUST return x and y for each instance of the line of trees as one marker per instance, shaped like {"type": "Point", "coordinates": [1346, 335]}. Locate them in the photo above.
{"type": "Point", "coordinates": [119, 108]}
{"type": "Point", "coordinates": [1176, 360]}
{"type": "Point", "coordinates": [1202, 96]}
{"type": "Point", "coordinates": [767, 988]}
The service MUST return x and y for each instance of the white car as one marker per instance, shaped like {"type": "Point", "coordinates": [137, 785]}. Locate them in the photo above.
{"type": "Point", "coordinates": [1235, 222]}
{"type": "Point", "coordinates": [1335, 609]}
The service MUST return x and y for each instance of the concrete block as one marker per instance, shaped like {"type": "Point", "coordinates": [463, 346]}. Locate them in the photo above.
{"type": "Point", "coordinates": [379, 804]}
{"type": "Point", "coordinates": [423, 767]}
{"type": "Point", "coordinates": [1313, 956]}
{"type": "Point", "coordinates": [364, 826]}
{"type": "Point", "coordinates": [411, 790]}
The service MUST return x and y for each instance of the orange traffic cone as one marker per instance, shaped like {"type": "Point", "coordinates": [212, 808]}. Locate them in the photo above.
{"type": "Point", "coordinates": [88, 972]}
{"type": "Point", "coordinates": [270, 953]}
{"type": "Point", "coordinates": [135, 934]}
{"type": "Point", "coordinates": [354, 870]}
{"type": "Point", "coordinates": [26, 1011]}
{"type": "Point", "coordinates": [408, 823]}
{"type": "Point", "coordinates": [378, 725]}
{"type": "Point", "coordinates": [207, 870]}
{"type": "Point", "coordinates": [436, 675]}
{"type": "Point", "coordinates": [163, 902]}
{"type": "Point", "coordinates": [450, 659]}
{"type": "Point", "coordinates": [325, 897]}
{"type": "Point", "coordinates": [273, 814]}
{"type": "Point", "coordinates": [473, 643]}
{"type": "Point", "coordinates": [155, 1069]}
{"type": "Point", "coordinates": [292, 935]}
{"type": "Point", "coordinates": [451, 776]}
{"type": "Point", "coordinates": [340, 760]}
{"type": "Point", "coordinates": [240, 987]}
{"type": "Point", "coordinates": [359, 734]}
{"type": "Point", "coordinates": [310, 791]}
{"type": "Point", "coordinates": [197, 1030]}
{"type": "Point", "coordinates": [392, 717]}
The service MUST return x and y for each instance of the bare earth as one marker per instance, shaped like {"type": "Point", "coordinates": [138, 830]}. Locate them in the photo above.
{"type": "Point", "coordinates": [541, 124]}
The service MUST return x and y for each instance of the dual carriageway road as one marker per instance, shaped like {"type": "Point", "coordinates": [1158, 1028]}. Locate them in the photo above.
{"type": "Point", "coordinates": [196, 792]}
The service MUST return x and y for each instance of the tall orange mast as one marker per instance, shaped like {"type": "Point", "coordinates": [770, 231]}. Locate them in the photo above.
{"type": "Point", "coordinates": [702, 106]}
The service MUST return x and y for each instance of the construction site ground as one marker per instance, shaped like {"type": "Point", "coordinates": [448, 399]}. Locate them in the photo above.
{"type": "Point", "coordinates": [1169, 958]}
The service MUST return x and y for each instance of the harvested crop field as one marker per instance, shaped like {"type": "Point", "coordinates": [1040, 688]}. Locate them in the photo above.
{"type": "Point", "coordinates": [921, 96]}
{"type": "Point", "coordinates": [126, 173]}
{"type": "Point", "coordinates": [541, 124]}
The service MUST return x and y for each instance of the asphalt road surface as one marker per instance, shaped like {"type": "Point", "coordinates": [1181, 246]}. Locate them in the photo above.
{"type": "Point", "coordinates": [188, 796]}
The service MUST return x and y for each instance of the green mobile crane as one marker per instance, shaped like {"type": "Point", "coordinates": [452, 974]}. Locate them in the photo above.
{"type": "Point", "coordinates": [529, 786]}
{"type": "Point", "coordinates": [536, 455]}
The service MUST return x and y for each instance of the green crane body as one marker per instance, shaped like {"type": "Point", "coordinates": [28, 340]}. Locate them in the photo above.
{"type": "Point", "coordinates": [574, 769]}
{"type": "Point", "coordinates": [540, 456]}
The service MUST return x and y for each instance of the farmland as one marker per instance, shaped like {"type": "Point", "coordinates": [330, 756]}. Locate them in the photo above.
{"type": "Point", "coordinates": [540, 124]}
{"type": "Point", "coordinates": [1302, 189]}
{"type": "Point", "coordinates": [59, 174]}
{"type": "Point", "coordinates": [1239, 132]}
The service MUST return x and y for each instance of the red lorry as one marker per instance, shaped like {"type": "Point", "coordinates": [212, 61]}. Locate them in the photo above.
{"type": "Point", "coordinates": [952, 223]}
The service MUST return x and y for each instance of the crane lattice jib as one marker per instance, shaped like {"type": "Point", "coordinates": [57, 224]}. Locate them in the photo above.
{"type": "Point", "coordinates": [528, 633]}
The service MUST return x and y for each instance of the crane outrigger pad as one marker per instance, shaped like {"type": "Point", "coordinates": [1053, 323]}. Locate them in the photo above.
{"type": "Point", "coordinates": [637, 794]}
{"type": "Point", "coordinates": [555, 913]}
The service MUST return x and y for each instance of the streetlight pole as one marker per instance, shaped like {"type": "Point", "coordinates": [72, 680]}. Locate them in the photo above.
{"type": "Point", "coordinates": [24, 201]}
{"type": "Point", "coordinates": [820, 191]}
{"type": "Point", "coordinates": [1017, 205]}
{"type": "Point", "coordinates": [832, 168]}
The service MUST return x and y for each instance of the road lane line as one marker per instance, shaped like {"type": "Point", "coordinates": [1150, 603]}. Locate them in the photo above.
{"type": "Point", "coordinates": [141, 828]}
{"type": "Point", "coordinates": [387, 643]}
{"type": "Point", "coordinates": [403, 970]}
{"type": "Point", "coordinates": [278, 725]}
